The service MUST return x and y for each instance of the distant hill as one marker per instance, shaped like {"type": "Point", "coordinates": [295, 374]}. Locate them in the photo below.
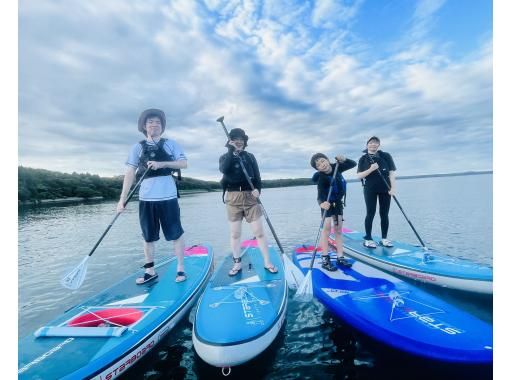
{"type": "Point", "coordinates": [38, 186]}
{"type": "Point", "coordinates": [44, 186]}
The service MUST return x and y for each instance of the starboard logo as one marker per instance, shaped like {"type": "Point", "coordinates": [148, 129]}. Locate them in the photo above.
{"type": "Point", "coordinates": [435, 324]}
{"type": "Point", "coordinates": [45, 355]}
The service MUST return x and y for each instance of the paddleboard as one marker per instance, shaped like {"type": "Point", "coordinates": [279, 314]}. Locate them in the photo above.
{"type": "Point", "coordinates": [415, 262]}
{"type": "Point", "coordinates": [239, 316]}
{"type": "Point", "coordinates": [398, 313]}
{"type": "Point", "coordinates": [106, 335]}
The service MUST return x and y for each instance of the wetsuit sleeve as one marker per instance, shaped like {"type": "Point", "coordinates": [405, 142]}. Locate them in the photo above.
{"type": "Point", "coordinates": [346, 165]}
{"type": "Point", "coordinates": [362, 164]}
{"type": "Point", "coordinates": [257, 181]}
{"type": "Point", "coordinates": [389, 160]}
{"type": "Point", "coordinates": [322, 188]}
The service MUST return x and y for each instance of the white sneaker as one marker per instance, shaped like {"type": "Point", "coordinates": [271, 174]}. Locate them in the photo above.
{"type": "Point", "coordinates": [370, 244]}
{"type": "Point", "coordinates": [386, 243]}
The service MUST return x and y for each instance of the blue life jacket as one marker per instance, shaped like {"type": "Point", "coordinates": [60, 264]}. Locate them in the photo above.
{"type": "Point", "coordinates": [315, 179]}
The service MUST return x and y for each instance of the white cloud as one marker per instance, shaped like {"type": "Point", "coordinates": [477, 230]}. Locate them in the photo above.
{"type": "Point", "coordinates": [280, 70]}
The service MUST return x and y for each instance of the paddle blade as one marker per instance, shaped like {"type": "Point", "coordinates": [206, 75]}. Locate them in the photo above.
{"type": "Point", "coordinates": [293, 274]}
{"type": "Point", "coordinates": [74, 279]}
{"type": "Point", "coordinates": [305, 290]}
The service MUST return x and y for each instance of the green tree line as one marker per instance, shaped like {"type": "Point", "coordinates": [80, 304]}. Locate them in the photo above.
{"type": "Point", "coordinates": [35, 185]}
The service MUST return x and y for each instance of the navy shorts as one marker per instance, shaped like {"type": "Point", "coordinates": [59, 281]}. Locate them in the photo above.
{"type": "Point", "coordinates": [164, 214]}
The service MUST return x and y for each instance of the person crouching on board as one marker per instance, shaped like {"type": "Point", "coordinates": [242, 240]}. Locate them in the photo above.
{"type": "Point", "coordinates": [241, 200]}
{"type": "Point", "coordinates": [158, 193]}
{"type": "Point", "coordinates": [334, 207]}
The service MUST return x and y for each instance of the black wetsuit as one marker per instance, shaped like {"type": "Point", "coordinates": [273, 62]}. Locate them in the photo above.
{"type": "Point", "coordinates": [337, 193]}
{"type": "Point", "coordinates": [375, 188]}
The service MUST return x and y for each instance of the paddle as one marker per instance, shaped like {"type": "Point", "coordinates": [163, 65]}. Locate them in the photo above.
{"type": "Point", "coordinates": [305, 291]}
{"type": "Point", "coordinates": [293, 274]}
{"type": "Point", "coordinates": [75, 278]}
{"type": "Point", "coordinates": [398, 203]}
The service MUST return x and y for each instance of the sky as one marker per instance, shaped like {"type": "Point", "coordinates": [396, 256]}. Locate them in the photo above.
{"type": "Point", "coordinates": [299, 77]}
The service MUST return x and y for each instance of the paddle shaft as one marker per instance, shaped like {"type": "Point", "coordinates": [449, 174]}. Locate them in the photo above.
{"type": "Point", "coordinates": [398, 203]}
{"type": "Point", "coordinates": [130, 195]}
{"type": "Point", "coordinates": [220, 120]}
{"type": "Point", "coordinates": [316, 245]}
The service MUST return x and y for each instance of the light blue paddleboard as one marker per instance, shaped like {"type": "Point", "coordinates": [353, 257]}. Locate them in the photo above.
{"type": "Point", "coordinates": [239, 316]}
{"type": "Point", "coordinates": [106, 335]}
{"type": "Point", "coordinates": [398, 313]}
{"type": "Point", "coordinates": [415, 262]}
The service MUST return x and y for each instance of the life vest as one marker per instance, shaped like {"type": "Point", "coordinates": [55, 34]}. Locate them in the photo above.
{"type": "Point", "coordinates": [158, 153]}
{"type": "Point", "coordinates": [343, 183]}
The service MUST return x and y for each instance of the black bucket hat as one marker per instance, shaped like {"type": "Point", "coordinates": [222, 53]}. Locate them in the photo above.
{"type": "Point", "coordinates": [315, 157]}
{"type": "Point", "coordinates": [236, 133]}
{"type": "Point", "coordinates": [151, 112]}
{"type": "Point", "coordinates": [374, 138]}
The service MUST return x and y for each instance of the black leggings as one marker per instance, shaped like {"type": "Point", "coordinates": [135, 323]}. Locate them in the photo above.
{"type": "Point", "coordinates": [384, 209]}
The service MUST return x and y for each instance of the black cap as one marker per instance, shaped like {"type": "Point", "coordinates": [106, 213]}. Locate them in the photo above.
{"type": "Point", "coordinates": [236, 133]}
{"type": "Point", "coordinates": [374, 138]}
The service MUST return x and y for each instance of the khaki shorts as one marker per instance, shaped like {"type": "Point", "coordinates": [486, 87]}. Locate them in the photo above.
{"type": "Point", "coordinates": [242, 203]}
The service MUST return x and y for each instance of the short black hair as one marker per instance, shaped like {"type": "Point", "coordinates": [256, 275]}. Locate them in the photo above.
{"type": "Point", "coordinates": [315, 157]}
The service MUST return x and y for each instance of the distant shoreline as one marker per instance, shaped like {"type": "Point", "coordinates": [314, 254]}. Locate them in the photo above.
{"type": "Point", "coordinates": [439, 175]}
{"type": "Point", "coordinates": [70, 200]}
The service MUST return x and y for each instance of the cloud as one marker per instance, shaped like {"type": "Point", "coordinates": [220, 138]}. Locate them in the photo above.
{"type": "Point", "coordinates": [295, 75]}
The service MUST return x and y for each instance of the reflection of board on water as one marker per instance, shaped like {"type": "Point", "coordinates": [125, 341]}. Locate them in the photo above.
{"type": "Point", "coordinates": [397, 313]}
{"type": "Point", "coordinates": [251, 306]}
{"type": "Point", "coordinates": [107, 334]}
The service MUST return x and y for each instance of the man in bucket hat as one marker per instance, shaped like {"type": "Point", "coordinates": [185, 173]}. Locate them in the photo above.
{"type": "Point", "coordinates": [158, 205]}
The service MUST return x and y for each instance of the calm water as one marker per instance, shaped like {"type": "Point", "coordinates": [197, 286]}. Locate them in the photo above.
{"type": "Point", "coordinates": [453, 214]}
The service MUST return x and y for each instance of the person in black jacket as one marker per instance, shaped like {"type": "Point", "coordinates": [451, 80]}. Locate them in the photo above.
{"type": "Point", "coordinates": [241, 200]}
{"type": "Point", "coordinates": [332, 207]}
{"type": "Point", "coordinates": [376, 170]}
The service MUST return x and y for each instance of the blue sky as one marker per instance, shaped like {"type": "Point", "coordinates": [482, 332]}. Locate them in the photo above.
{"type": "Point", "coordinates": [299, 76]}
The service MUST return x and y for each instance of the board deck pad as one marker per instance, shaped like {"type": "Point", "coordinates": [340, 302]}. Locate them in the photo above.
{"type": "Point", "coordinates": [154, 308]}
{"type": "Point", "coordinates": [398, 313]}
{"type": "Point", "coordinates": [415, 262]}
{"type": "Point", "coordinates": [247, 304]}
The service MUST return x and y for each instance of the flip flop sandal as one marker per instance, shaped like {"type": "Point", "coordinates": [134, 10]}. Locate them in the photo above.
{"type": "Point", "coordinates": [146, 278]}
{"type": "Point", "coordinates": [234, 271]}
{"type": "Point", "coordinates": [271, 269]}
{"type": "Point", "coordinates": [180, 277]}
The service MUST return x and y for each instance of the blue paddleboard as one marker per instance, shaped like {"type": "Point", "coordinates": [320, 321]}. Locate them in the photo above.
{"type": "Point", "coordinates": [106, 335]}
{"type": "Point", "coordinates": [239, 316]}
{"type": "Point", "coordinates": [429, 266]}
{"type": "Point", "coordinates": [397, 313]}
